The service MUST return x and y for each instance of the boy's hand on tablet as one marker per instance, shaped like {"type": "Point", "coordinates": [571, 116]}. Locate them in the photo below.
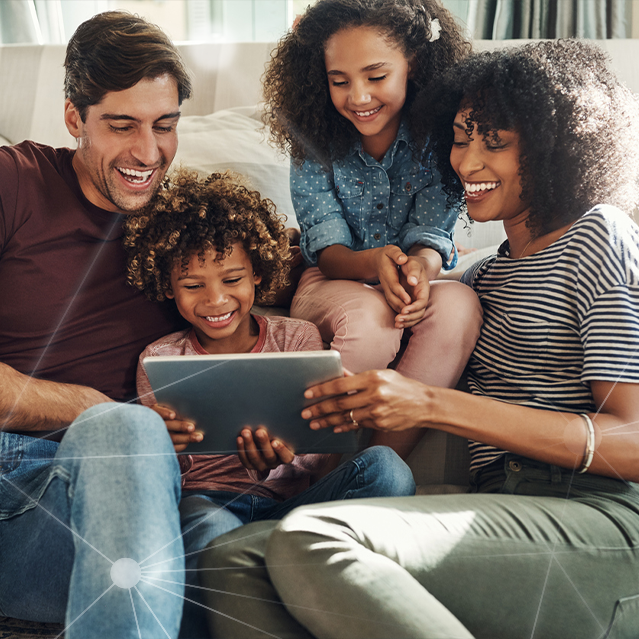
{"type": "Point", "coordinates": [257, 451]}
{"type": "Point", "coordinates": [182, 433]}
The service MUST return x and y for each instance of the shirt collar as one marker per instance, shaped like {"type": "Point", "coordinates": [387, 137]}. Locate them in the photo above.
{"type": "Point", "coordinates": [402, 140]}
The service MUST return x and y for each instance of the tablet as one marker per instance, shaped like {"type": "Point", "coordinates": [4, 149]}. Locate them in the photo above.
{"type": "Point", "coordinates": [222, 394]}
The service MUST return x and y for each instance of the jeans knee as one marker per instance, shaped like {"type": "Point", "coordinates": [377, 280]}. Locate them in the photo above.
{"type": "Point", "coordinates": [123, 439]}
{"type": "Point", "coordinates": [388, 471]}
{"type": "Point", "coordinates": [112, 428]}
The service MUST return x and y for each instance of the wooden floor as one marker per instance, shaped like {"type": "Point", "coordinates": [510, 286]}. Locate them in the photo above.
{"type": "Point", "coordinates": [16, 629]}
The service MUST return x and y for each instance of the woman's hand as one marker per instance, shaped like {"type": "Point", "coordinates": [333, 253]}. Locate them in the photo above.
{"type": "Point", "coordinates": [182, 433]}
{"type": "Point", "coordinates": [257, 451]}
{"type": "Point", "coordinates": [384, 400]}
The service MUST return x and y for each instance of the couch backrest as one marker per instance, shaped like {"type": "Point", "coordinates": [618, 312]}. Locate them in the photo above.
{"type": "Point", "coordinates": [226, 84]}
{"type": "Point", "coordinates": [225, 75]}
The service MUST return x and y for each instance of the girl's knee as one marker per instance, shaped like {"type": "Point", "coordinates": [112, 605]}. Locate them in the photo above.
{"type": "Point", "coordinates": [456, 308]}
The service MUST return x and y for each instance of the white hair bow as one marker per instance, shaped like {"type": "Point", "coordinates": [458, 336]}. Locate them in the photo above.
{"type": "Point", "coordinates": [435, 30]}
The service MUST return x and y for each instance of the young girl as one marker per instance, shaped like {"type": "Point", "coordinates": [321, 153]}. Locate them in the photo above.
{"type": "Point", "coordinates": [215, 247]}
{"type": "Point", "coordinates": [375, 225]}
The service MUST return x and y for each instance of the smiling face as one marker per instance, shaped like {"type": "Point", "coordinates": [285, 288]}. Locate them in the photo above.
{"type": "Point", "coordinates": [216, 297]}
{"type": "Point", "coordinates": [489, 171]}
{"type": "Point", "coordinates": [367, 78]}
{"type": "Point", "coordinates": [126, 143]}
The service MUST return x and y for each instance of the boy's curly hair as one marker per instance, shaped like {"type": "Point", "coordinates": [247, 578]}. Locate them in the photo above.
{"type": "Point", "coordinates": [191, 215]}
{"type": "Point", "coordinates": [577, 126]}
{"type": "Point", "coordinates": [299, 112]}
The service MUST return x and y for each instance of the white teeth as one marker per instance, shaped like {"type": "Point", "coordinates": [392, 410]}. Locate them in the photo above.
{"type": "Point", "coordinates": [480, 186]}
{"type": "Point", "coordinates": [363, 114]}
{"type": "Point", "coordinates": [138, 176]}
{"type": "Point", "coordinates": [218, 318]}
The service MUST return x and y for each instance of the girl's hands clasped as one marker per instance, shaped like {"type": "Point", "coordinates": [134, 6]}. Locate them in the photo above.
{"type": "Point", "coordinates": [404, 280]}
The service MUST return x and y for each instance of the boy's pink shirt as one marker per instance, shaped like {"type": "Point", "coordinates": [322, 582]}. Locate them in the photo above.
{"type": "Point", "coordinates": [225, 472]}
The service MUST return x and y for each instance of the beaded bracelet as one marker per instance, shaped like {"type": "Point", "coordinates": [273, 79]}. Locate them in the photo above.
{"type": "Point", "coordinates": [590, 445]}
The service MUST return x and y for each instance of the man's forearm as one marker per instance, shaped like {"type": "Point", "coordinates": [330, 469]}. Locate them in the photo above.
{"type": "Point", "coordinates": [34, 404]}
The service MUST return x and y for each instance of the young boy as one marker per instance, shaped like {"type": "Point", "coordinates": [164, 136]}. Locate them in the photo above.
{"type": "Point", "coordinates": [216, 247]}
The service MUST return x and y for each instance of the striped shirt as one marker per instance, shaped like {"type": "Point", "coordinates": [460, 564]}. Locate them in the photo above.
{"type": "Point", "coordinates": [226, 472]}
{"type": "Point", "coordinates": [559, 319]}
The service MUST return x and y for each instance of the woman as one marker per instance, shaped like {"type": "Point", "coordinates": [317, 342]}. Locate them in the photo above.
{"type": "Point", "coordinates": [545, 139]}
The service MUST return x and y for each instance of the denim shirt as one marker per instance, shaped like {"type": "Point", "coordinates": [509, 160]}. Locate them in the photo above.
{"type": "Point", "coordinates": [364, 204]}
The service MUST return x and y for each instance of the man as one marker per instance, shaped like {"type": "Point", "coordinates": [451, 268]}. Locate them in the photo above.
{"type": "Point", "coordinates": [73, 514]}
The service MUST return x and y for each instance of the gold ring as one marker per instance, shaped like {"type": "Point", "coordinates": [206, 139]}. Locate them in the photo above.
{"type": "Point", "coordinates": [350, 414]}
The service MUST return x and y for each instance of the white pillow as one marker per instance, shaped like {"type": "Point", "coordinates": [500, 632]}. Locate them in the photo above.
{"type": "Point", "coordinates": [4, 141]}
{"type": "Point", "coordinates": [235, 139]}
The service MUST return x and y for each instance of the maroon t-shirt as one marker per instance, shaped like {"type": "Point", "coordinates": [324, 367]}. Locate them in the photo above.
{"type": "Point", "coordinates": [66, 311]}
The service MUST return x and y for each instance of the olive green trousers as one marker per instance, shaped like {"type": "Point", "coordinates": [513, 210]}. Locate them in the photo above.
{"type": "Point", "coordinates": [536, 552]}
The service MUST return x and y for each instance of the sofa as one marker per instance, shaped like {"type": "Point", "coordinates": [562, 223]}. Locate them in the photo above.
{"type": "Point", "coordinates": [221, 129]}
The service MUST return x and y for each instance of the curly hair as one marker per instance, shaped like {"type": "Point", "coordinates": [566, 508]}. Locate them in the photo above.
{"type": "Point", "coordinates": [299, 111]}
{"type": "Point", "coordinates": [191, 215]}
{"type": "Point", "coordinates": [576, 123]}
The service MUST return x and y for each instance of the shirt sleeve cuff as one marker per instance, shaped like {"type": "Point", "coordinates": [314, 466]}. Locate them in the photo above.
{"type": "Point", "coordinates": [319, 236]}
{"type": "Point", "coordinates": [431, 237]}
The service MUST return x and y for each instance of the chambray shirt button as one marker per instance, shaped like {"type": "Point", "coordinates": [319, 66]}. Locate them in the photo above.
{"type": "Point", "coordinates": [377, 236]}
{"type": "Point", "coordinates": [515, 466]}
{"type": "Point", "coordinates": [380, 206]}
{"type": "Point", "coordinates": [408, 186]}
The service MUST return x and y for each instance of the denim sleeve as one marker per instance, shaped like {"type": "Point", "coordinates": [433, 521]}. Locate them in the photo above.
{"type": "Point", "coordinates": [318, 210]}
{"type": "Point", "coordinates": [431, 222]}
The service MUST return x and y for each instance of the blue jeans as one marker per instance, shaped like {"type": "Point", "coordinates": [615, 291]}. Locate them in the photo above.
{"type": "Point", "coordinates": [111, 490]}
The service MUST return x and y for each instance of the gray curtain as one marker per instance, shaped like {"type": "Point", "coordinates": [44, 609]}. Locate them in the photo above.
{"type": "Point", "coordinates": [513, 19]}
{"type": "Point", "coordinates": [18, 22]}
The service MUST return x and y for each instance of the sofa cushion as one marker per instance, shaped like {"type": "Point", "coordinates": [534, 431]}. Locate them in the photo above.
{"type": "Point", "coordinates": [235, 139]}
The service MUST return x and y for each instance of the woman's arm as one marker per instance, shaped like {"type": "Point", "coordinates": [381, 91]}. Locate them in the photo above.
{"type": "Point", "coordinates": [387, 401]}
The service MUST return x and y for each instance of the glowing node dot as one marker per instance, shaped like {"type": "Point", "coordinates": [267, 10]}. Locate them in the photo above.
{"type": "Point", "coordinates": [126, 573]}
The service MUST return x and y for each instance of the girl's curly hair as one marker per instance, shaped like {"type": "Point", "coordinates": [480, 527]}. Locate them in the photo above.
{"type": "Point", "coordinates": [299, 112]}
{"type": "Point", "coordinates": [191, 215]}
{"type": "Point", "coordinates": [577, 126]}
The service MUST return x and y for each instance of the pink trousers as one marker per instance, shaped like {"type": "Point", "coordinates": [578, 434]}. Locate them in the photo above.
{"type": "Point", "coordinates": [358, 322]}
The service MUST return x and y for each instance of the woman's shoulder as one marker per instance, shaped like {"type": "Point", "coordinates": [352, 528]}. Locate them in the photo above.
{"type": "Point", "coordinates": [607, 235]}
{"type": "Point", "coordinates": [609, 222]}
